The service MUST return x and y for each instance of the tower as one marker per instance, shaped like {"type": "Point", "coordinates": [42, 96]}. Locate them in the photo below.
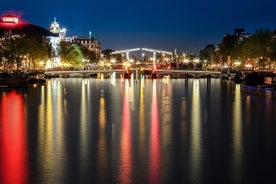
{"type": "Point", "coordinates": [54, 27]}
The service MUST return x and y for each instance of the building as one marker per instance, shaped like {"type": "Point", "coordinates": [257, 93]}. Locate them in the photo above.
{"type": "Point", "coordinates": [90, 43]}
{"type": "Point", "coordinates": [12, 27]}
{"type": "Point", "coordinates": [11, 24]}
{"type": "Point", "coordinates": [239, 33]}
{"type": "Point", "coordinates": [55, 41]}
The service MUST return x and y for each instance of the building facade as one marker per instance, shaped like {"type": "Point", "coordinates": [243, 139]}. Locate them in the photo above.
{"type": "Point", "coordinates": [90, 43]}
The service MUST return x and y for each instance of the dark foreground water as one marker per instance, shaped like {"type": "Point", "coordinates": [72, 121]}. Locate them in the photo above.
{"type": "Point", "coordinates": [137, 131]}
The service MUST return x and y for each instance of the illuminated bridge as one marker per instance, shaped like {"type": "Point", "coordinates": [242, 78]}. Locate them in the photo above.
{"type": "Point", "coordinates": [188, 73]}
{"type": "Point", "coordinates": [133, 72]}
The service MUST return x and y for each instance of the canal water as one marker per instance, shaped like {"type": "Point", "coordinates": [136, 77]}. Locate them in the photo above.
{"type": "Point", "coordinates": [137, 131]}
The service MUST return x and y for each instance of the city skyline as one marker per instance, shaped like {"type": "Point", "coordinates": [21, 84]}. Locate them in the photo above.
{"type": "Point", "coordinates": [186, 26]}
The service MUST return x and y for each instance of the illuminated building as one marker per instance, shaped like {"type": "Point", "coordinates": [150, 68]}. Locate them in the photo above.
{"type": "Point", "coordinates": [90, 43]}
{"type": "Point", "coordinates": [13, 27]}
{"type": "Point", "coordinates": [54, 28]}
{"type": "Point", "coordinates": [55, 41]}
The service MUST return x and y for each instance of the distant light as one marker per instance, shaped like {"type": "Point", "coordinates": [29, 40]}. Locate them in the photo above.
{"type": "Point", "coordinates": [248, 65]}
{"type": "Point", "coordinates": [186, 61]}
{"type": "Point", "coordinates": [225, 65]}
{"type": "Point", "coordinates": [196, 60]}
{"type": "Point", "coordinates": [237, 63]}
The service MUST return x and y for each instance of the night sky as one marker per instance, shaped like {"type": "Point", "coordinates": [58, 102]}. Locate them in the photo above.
{"type": "Point", "coordinates": [187, 25]}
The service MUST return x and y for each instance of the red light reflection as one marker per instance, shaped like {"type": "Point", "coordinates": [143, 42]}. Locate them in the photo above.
{"type": "Point", "coordinates": [13, 140]}
{"type": "Point", "coordinates": [125, 163]}
{"type": "Point", "coordinates": [154, 170]}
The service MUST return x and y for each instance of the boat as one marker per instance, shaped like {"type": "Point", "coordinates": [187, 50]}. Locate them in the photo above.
{"type": "Point", "coordinates": [254, 79]}
{"type": "Point", "coordinates": [261, 81]}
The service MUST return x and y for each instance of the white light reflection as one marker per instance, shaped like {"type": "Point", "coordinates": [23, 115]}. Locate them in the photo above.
{"type": "Point", "coordinates": [83, 126]}
{"type": "Point", "coordinates": [113, 79]}
{"type": "Point", "coordinates": [166, 108]}
{"type": "Point", "coordinates": [166, 113]}
{"type": "Point", "coordinates": [131, 94]}
{"type": "Point", "coordinates": [196, 150]}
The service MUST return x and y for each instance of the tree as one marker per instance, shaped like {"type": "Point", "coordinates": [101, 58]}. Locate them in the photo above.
{"type": "Point", "coordinates": [16, 48]}
{"type": "Point", "coordinates": [37, 50]}
{"type": "Point", "coordinates": [90, 55]}
{"type": "Point", "coordinates": [107, 53]}
{"type": "Point", "coordinates": [70, 54]}
{"type": "Point", "coordinates": [273, 47]}
{"type": "Point", "coordinates": [227, 45]}
{"type": "Point", "coordinates": [259, 46]}
{"type": "Point", "coordinates": [208, 52]}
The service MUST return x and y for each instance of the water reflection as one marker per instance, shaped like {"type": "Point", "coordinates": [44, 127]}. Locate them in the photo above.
{"type": "Point", "coordinates": [154, 160]}
{"type": "Point", "coordinates": [146, 131]}
{"type": "Point", "coordinates": [102, 144]}
{"type": "Point", "coordinates": [248, 110]}
{"type": "Point", "coordinates": [84, 117]}
{"type": "Point", "coordinates": [268, 107]}
{"type": "Point", "coordinates": [13, 148]}
{"type": "Point", "coordinates": [196, 149]}
{"type": "Point", "coordinates": [125, 160]}
{"type": "Point", "coordinates": [51, 145]}
{"type": "Point", "coordinates": [237, 136]}
{"type": "Point", "coordinates": [142, 135]}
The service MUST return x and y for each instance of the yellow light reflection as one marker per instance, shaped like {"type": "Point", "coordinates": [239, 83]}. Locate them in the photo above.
{"type": "Point", "coordinates": [51, 146]}
{"type": "Point", "coordinates": [248, 110]}
{"type": "Point", "coordinates": [237, 135]}
{"type": "Point", "coordinates": [83, 126]}
{"type": "Point", "coordinates": [142, 119]}
{"type": "Point", "coordinates": [60, 153]}
{"type": "Point", "coordinates": [102, 145]}
{"type": "Point", "coordinates": [45, 134]}
{"type": "Point", "coordinates": [184, 116]}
